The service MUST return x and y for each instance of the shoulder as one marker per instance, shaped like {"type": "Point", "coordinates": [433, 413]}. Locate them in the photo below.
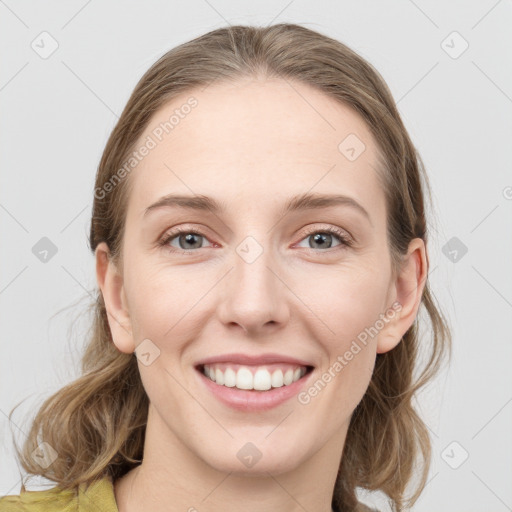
{"type": "Point", "coordinates": [99, 495]}
{"type": "Point", "coordinates": [40, 501]}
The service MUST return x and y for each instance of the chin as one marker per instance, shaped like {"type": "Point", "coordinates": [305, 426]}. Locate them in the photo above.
{"type": "Point", "coordinates": [254, 459]}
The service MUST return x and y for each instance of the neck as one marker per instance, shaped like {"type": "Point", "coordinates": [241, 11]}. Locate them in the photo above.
{"type": "Point", "coordinates": [172, 478]}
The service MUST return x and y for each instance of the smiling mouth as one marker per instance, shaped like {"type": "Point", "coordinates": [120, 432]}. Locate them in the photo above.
{"type": "Point", "coordinates": [254, 378]}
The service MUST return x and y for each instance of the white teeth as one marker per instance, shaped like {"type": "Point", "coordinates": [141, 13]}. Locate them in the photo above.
{"type": "Point", "coordinates": [277, 379]}
{"type": "Point", "coordinates": [261, 380]}
{"type": "Point", "coordinates": [229, 378]}
{"type": "Point", "coordinates": [288, 377]}
{"type": "Point", "coordinates": [244, 379]}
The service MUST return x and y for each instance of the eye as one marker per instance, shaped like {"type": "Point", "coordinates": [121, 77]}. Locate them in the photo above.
{"type": "Point", "coordinates": [186, 240]}
{"type": "Point", "coordinates": [183, 240]}
{"type": "Point", "coordinates": [323, 238]}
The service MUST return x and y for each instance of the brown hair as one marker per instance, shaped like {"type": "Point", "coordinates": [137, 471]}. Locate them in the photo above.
{"type": "Point", "coordinates": [97, 423]}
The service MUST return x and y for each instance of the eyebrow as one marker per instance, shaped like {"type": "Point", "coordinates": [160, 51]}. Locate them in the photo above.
{"type": "Point", "coordinates": [307, 201]}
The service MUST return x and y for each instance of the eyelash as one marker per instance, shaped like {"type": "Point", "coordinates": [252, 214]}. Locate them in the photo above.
{"type": "Point", "coordinates": [345, 241]}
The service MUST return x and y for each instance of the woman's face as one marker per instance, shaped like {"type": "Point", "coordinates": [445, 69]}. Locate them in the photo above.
{"type": "Point", "coordinates": [254, 278]}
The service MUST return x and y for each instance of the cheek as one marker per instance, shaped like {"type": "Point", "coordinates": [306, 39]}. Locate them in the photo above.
{"type": "Point", "coordinates": [343, 301]}
{"type": "Point", "coordinates": [158, 299]}
{"type": "Point", "coordinates": [337, 302]}
{"type": "Point", "coordinates": [347, 309]}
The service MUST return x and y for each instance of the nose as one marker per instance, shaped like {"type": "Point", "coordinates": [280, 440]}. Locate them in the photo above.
{"type": "Point", "coordinates": [254, 296]}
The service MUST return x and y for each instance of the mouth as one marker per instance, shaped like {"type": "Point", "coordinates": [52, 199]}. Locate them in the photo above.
{"type": "Point", "coordinates": [258, 379]}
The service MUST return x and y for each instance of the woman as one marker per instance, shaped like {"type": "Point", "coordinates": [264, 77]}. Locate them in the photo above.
{"type": "Point", "coordinates": [261, 256]}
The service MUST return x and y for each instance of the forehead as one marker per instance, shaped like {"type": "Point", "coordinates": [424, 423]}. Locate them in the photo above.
{"type": "Point", "coordinates": [242, 140]}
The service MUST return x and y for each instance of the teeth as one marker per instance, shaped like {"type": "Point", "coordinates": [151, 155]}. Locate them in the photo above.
{"type": "Point", "coordinates": [244, 379]}
{"type": "Point", "coordinates": [277, 379]}
{"type": "Point", "coordinates": [229, 378]}
{"type": "Point", "coordinates": [261, 380]}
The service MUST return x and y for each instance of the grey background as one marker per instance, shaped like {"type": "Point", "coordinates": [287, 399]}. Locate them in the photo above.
{"type": "Point", "coordinates": [57, 113]}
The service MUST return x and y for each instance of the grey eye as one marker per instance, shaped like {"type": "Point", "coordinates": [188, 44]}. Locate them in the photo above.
{"type": "Point", "coordinates": [321, 240]}
{"type": "Point", "coordinates": [189, 240]}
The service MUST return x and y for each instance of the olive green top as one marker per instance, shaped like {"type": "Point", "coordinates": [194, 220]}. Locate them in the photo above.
{"type": "Point", "coordinates": [98, 497]}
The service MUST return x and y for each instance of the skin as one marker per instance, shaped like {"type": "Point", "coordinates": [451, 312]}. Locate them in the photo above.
{"type": "Point", "coordinates": [252, 145]}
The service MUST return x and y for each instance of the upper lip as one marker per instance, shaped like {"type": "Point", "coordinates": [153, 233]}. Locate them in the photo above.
{"type": "Point", "coordinates": [246, 359]}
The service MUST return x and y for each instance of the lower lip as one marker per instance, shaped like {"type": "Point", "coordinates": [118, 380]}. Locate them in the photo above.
{"type": "Point", "coordinates": [247, 400]}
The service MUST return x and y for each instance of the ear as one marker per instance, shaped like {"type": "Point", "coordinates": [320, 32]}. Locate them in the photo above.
{"type": "Point", "coordinates": [111, 284]}
{"type": "Point", "coordinates": [407, 290]}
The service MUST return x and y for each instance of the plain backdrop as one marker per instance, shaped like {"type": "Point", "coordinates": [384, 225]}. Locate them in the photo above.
{"type": "Point", "coordinates": [448, 65]}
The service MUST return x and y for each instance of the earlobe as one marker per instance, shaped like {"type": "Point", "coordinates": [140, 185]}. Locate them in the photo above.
{"type": "Point", "coordinates": [408, 290]}
{"type": "Point", "coordinates": [111, 284]}
{"type": "Point", "coordinates": [389, 337]}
